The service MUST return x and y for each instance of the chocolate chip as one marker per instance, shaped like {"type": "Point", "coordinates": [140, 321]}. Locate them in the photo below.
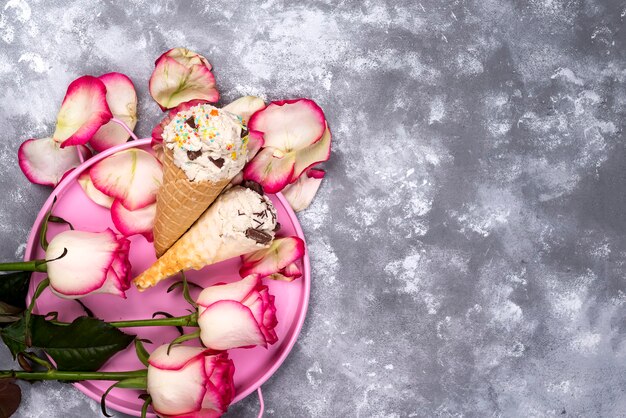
{"type": "Point", "coordinates": [259, 236]}
{"type": "Point", "coordinates": [277, 227]}
{"type": "Point", "coordinates": [244, 132]}
{"type": "Point", "coordinates": [219, 162]}
{"type": "Point", "coordinates": [192, 155]}
{"type": "Point", "coordinates": [252, 185]}
{"type": "Point", "coordinates": [191, 122]}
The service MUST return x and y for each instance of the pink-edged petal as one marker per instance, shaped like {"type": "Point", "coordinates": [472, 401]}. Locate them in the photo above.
{"type": "Point", "coordinates": [177, 392]}
{"type": "Point", "coordinates": [281, 253]}
{"type": "Point", "coordinates": [85, 266]}
{"type": "Point", "coordinates": [221, 388]}
{"type": "Point", "coordinates": [289, 124]}
{"type": "Point", "coordinates": [178, 357]}
{"type": "Point", "coordinates": [83, 111]}
{"type": "Point", "coordinates": [92, 193]}
{"type": "Point", "coordinates": [157, 132]}
{"type": "Point", "coordinates": [237, 291]}
{"type": "Point", "coordinates": [311, 155]}
{"type": "Point", "coordinates": [270, 169]}
{"type": "Point", "coordinates": [301, 193]}
{"type": "Point", "coordinates": [133, 222]}
{"type": "Point", "coordinates": [292, 270]}
{"type": "Point", "coordinates": [181, 75]}
{"type": "Point", "coordinates": [44, 162]}
{"type": "Point", "coordinates": [132, 176]}
{"type": "Point", "coordinates": [245, 106]}
{"type": "Point", "coordinates": [255, 143]}
{"type": "Point", "coordinates": [122, 100]}
{"type": "Point", "coordinates": [281, 278]}
{"type": "Point", "coordinates": [240, 330]}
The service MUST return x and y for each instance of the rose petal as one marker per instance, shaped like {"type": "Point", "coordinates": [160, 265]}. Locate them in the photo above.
{"type": "Point", "coordinates": [179, 356]}
{"type": "Point", "coordinates": [44, 162]}
{"type": "Point", "coordinates": [183, 397]}
{"type": "Point", "coordinates": [122, 100]}
{"type": "Point", "coordinates": [281, 278]}
{"type": "Point", "coordinates": [133, 222]}
{"type": "Point", "coordinates": [255, 143]}
{"type": "Point", "coordinates": [83, 111]}
{"type": "Point", "coordinates": [281, 253]}
{"type": "Point", "coordinates": [270, 171]}
{"type": "Point", "coordinates": [289, 124]}
{"type": "Point", "coordinates": [237, 291]}
{"type": "Point", "coordinates": [92, 193]}
{"type": "Point", "coordinates": [133, 176]}
{"type": "Point", "coordinates": [85, 266]}
{"type": "Point", "coordinates": [292, 270]}
{"type": "Point", "coordinates": [311, 155]}
{"type": "Point", "coordinates": [240, 330]}
{"type": "Point", "coordinates": [301, 193]}
{"type": "Point", "coordinates": [245, 106]}
{"type": "Point", "coordinates": [181, 75]}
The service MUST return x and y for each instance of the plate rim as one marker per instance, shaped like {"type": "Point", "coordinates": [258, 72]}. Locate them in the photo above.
{"type": "Point", "coordinates": [33, 241]}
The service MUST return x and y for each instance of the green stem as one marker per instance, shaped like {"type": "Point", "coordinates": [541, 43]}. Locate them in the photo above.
{"type": "Point", "coordinates": [71, 376]}
{"type": "Point", "coordinates": [34, 265]}
{"type": "Point", "coordinates": [180, 321]}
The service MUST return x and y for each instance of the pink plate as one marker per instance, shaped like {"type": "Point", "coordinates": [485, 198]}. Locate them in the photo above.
{"type": "Point", "coordinates": [253, 366]}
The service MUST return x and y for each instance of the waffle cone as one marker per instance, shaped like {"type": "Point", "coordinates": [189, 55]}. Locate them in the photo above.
{"type": "Point", "coordinates": [180, 202]}
{"type": "Point", "coordinates": [203, 244]}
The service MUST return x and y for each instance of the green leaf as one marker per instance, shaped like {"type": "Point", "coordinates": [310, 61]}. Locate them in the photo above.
{"type": "Point", "coordinates": [84, 345]}
{"type": "Point", "coordinates": [13, 289]}
{"type": "Point", "coordinates": [14, 336]}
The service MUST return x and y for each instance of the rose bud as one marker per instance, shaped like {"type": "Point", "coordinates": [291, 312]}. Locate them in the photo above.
{"type": "Point", "coordinates": [94, 262]}
{"type": "Point", "coordinates": [190, 382]}
{"type": "Point", "coordinates": [239, 314]}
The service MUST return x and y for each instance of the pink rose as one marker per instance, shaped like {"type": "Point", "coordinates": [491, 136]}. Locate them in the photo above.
{"type": "Point", "coordinates": [190, 382]}
{"type": "Point", "coordinates": [239, 314]}
{"type": "Point", "coordinates": [95, 262]}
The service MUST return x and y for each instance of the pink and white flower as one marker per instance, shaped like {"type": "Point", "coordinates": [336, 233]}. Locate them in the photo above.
{"type": "Point", "coordinates": [277, 262]}
{"type": "Point", "coordinates": [181, 75]}
{"type": "Point", "coordinates": [190, 382]}
{"type": "Point", "coordinates": [239, 314]}
{"type": "Point", "coordinates": [94, 262]}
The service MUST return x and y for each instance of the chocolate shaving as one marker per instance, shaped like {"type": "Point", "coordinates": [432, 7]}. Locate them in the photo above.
{"type": "Point", "coordinates": [192, 155]}
{"type": "Point", "coordinates": [244, 132]}
{"type": "Point", "coordinates": [259, 236]}
{"type": "Point", "coordinates": [277, 227]}
{"type": "Point", "coordinates": [257, 221]}
{"type": "Point", "coordinates": [252, 185]}
{"type": "Point", "coordinates": [261, 214]}
{"type": "Point", "coordinates": [191, 121]}
{"type": "Point", "coordinates": [239, 213]}
{"type": "Point", "coordinates": [219, 162]}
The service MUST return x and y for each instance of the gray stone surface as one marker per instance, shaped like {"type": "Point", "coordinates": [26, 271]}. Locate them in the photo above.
{"type": "Point", "coordinates": [468, 243]}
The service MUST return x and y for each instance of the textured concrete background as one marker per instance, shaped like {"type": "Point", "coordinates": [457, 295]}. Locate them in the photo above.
{"type": "Point", "coordinates": [468, 242]}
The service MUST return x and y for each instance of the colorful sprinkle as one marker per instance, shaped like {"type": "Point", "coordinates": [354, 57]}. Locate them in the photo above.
{"type": "Point", "coordinates": [214, 112]}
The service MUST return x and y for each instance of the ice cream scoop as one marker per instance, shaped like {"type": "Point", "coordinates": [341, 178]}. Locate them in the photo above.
{"type": "Point", "coordinates": [207, 143]}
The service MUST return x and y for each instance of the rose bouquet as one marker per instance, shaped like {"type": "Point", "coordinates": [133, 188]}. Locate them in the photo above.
{"type": "Point", "coordinates": [212, 164]}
